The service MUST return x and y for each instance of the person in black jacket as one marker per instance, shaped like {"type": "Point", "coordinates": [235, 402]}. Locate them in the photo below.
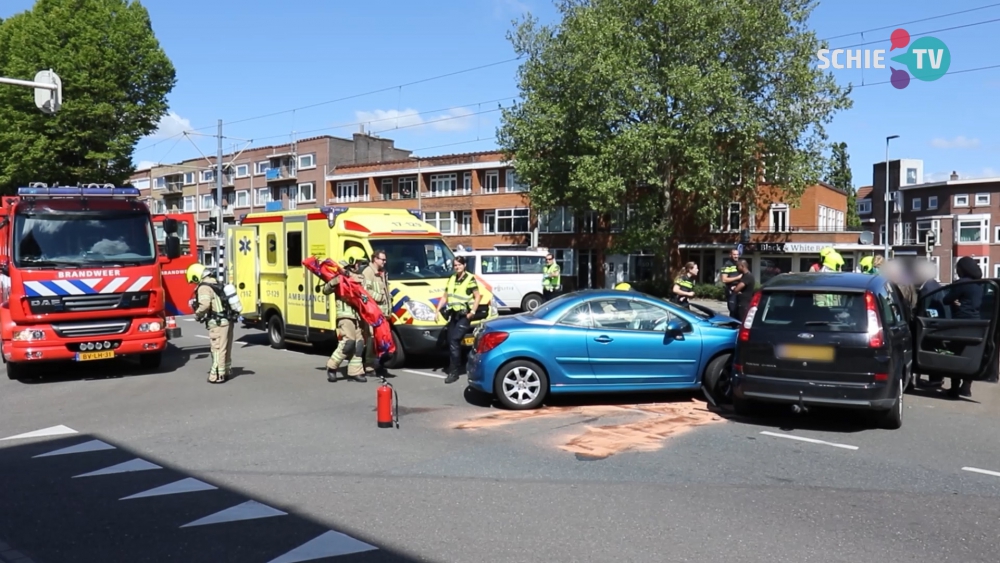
{"type": "Point", "coordinates": [925, 272]}
{"type": "Point", "coordinates": [965, 301]}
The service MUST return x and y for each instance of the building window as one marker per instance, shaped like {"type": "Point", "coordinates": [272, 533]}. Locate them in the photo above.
{"type": "Point", "coordinates": [489, 222]}
{"type": "Point", "coordinates": [559, 220]}
{"type": "Point", "coordinates": [881, 235]}
{"type": "Point", "coordinates": [732, 217]}
{"type": "Point", "coordinates": [159, 206]}
{"type": "Point", "coordinates": [243, 198]}
{"type": "Point", "coordinates": [188, 178]}
{"type": "Point", "coordinates": [911, 175]}
{"type": "Point", "coordinates": [932, 202]}
{"type": "Point", "coordinates": [512, 221]}
{"type": "Point", "coordinates": [982, 199]}
{"type": "Point", "coordinates": [466, 223]}
{"type": "Point", "coordinates": [444, 221]}
{"type": "Point", "coordinates": [915, 204]}
{"type": "Point", "coordinates": [351, 191]}
{"type": "Point", "coordinates": [779, 217]}
{"type": "Point", "coordinates": [207, 202]}
{"type": "Point", "coordinates": [160, 183]}
{"type": "Point", "coordinates": [444, 185]}
{"type": "Point", "coordinates": [386, 189]}
{"type": "Point", "coordinates": [864, 207]}
{"type": "Point", "coordinates": [189, 204]}
{"type": "Point", "coordinates": [307, 161]}
{"type": "Point", "coordinates": [467, 182]}
{"type": "Point", "coordinates": [491, 182]}
{"type": "Point", "coordinates": [997, 235]}
{"type": "Point", "coordinates": [589, 221]}
{"type": "Point", "coordinates": [262, 167]}
{"type": "Point", "coordinates": [973, 230]}
{"type": "Point", "coordinates": [962, 201]}
{"type": "Point", "coordinates": [924, 227]}
{"type": "Point", "coordinates": [261, 196]}
{"type": "Point", "coordinates": [242, 170]}
{"type": "Point", "coordinates": [564, 257]}
{"type": "Point", "coordinates": [513, 185]}
{"type": "Point", "coordinates": [407, 187]}
{"type": "Point", "coordinates": [208, 176]}
{"type": "Point", "coordinates": [307, 192]}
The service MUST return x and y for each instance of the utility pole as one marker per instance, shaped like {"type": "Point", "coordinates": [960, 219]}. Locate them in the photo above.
{"type": "Point", "coordinates": [220, 247]}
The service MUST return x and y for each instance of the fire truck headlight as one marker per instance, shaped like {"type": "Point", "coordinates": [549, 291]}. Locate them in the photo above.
{"type": "Point", "coordinates": [28, 335]}
{"type": "Point", "coordinates": [150, 327]}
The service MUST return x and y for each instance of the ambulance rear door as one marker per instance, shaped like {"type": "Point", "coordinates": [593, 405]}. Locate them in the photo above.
{"type": "Point", "coordinates": [244, 258]}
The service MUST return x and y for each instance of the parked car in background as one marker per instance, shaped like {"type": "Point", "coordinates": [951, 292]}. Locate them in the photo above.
{"type": "Point", "coordinates": [601, 341]}
{"type": "Point", "coordinates": [847, 340]}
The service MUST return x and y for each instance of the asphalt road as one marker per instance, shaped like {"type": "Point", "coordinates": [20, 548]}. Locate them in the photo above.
{"type": "Point", "coordinates": [279, 465]}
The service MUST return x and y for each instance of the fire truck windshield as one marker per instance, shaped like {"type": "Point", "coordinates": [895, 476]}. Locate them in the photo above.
{"type": "Point", "coordinates": [46, 240]}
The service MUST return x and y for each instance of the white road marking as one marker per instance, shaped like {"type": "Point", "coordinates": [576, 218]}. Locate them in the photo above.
{"type": "Point", "coordinates": [249, 510]}
{"type": "Point", "coordinates": [91, 446]}
{"type": "Point", "coordinates": [983, 471]}
{"type": "Point", "coordinates": [52, 431]}
{"type": "Point", "coordinates": [810, 440]}
{"type": "Point", "coordinates": [189, 485]}
{"type": "Point", "coordinates": [425, 374]}
{"type": "Point", "coordinates": [330, 544]}
{"type": "Point", "coordinates": [188, 320]}
{"type": "Point", "coordinates": [127, 467]}
{"type": "Point", "coordinates": [205, 336]}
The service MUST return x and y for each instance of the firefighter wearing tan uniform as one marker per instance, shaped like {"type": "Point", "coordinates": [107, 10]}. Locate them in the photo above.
{"type": "Point", "coordinates": [209, 309]}
{"type": "Point", "coordinates": [351, 346]}
{"type": "Point", "coordinates": [377, 285]}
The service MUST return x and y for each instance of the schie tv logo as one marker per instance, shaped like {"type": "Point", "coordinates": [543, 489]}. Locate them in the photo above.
{"type": "Point", "coordinates": [927, 59]}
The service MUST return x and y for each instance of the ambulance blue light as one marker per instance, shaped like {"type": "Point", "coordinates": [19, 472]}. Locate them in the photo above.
{"type": "Point", "coordinates": [75, 191]}
{"type": "Point", "coordinates": [416, 213]}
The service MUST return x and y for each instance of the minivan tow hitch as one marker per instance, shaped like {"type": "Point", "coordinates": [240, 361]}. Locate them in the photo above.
{"type": "Point", "coordinates": [800, 407]}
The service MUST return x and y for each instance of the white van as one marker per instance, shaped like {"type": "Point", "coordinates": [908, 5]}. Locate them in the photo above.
{"type": "Point", "coordinates": [514, 276]}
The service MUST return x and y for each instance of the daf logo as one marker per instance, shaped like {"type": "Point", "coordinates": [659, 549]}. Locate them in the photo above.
{"type": "Point", "coordinates": [805, 335]}
{"type": "Point", "coordinates": [44, 302]}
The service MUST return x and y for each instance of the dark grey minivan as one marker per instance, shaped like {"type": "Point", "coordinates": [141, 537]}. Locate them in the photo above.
{"type": "Point", "coordinates": [848, 340]}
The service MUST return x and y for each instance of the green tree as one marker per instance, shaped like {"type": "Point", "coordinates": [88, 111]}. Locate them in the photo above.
{"type": "Point", "coordinates": [681, 98]}
{"type": "Point", "coordinates": [115, 82]}
{"type": "Point", "coordinates": [838, 174]}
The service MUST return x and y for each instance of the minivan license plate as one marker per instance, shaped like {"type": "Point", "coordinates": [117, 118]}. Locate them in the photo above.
{"type": "Point", "coordinates": [798, 352]}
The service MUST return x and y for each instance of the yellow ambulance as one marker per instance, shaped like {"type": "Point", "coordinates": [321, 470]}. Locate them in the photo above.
{"type": "Point", "coordinates": [265, 254]}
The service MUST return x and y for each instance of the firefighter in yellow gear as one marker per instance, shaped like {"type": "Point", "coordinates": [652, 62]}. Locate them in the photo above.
{"type": "Point", "coordinates": [210, 309]}
{"type": "Point", "coordinates": [350, 333]}
{"type": "Point", "coordinates": [377, 285]}
{"type": "Point", "coordinates": [832, 261]}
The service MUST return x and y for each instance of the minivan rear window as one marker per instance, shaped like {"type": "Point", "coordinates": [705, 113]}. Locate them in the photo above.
{"type": "Point", "coordinates": [815, 312]}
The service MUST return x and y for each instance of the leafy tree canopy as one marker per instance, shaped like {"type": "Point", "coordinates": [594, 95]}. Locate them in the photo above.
{"type": "Point", "coordinates": [115, 80]}
{"type": "Point", "coordinates": [839, 174]}
{"type": "Point", "coordinates": [681, 96]}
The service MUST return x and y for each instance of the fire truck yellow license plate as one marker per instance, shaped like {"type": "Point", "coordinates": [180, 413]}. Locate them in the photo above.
{"type": "Point", "coordinates": [102, 355]}
{"type": "Point", "coordinates": [468, 341]}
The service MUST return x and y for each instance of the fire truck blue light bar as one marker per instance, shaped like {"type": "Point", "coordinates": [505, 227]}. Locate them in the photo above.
{"type": "Point", "coordinates": [67, 191]}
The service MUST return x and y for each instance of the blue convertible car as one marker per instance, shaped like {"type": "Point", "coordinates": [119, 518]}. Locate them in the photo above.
{"type": "Point", "coordinates": [595, 341]}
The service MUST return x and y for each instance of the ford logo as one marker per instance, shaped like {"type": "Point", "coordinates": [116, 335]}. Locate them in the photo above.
{"type": "Point", "coordinates": [805, 335]}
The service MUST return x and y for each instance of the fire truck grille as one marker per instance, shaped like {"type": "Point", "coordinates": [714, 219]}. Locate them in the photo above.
{"type": "Point", "coordinates": [91, 302]}
{"type": "Point", "coordinates": [91, 328]}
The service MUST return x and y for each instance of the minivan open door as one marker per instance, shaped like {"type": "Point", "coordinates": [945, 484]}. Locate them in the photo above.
{"type": "Point", "coordinates": [955, 330]}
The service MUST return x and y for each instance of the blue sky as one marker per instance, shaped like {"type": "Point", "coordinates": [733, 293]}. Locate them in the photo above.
{"type": "Point", "coordinates": [239, 59]}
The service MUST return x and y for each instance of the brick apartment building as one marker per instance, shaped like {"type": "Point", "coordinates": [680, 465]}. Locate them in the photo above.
{"type": "Point", "coordinates": [961, 212]}
{"type": "Point", "coordinates": [476, 201]}
{"type": "Point", "coordinates": [287, 176]}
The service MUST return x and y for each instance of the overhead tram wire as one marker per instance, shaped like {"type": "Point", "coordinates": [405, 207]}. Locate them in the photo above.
{"type": "Point", "coordinates": [895, 25]}
{"type": "Point", "coordinates": [912, 35]}
{"type": "Point", "coordinates": [949, 73]}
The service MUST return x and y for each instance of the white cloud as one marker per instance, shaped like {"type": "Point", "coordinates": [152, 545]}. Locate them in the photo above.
{"type": "Point", "coordinates": [170, 125]}
{"type": "Point", "coordinates": [505, 7]}
{"type": "Point", "coordinates": [144, 164]}
{"type": "Point", "coordinates": [455, 119]}
{"type": "Point", "coordinates": [987, 172]}
{"type": "Point", "coordinates": [960, 142]}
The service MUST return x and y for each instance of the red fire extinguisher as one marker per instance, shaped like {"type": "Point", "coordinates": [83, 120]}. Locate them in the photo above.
{"type": "Point", "coordinates": [386, 405]}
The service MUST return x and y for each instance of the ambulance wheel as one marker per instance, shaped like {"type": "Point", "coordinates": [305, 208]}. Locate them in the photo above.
{"type": "Point", "coordinates": [276, 332]}
{"type": "Point", "coordinates": [399, 358]}
{"type": "Point", "coordinates": [151, 361]}
{"type": "Point", "coordinates": [531, 302]}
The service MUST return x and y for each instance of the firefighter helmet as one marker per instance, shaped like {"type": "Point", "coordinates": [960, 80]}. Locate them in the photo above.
{"type": "Point", "coordinates": [195, 273]}
{"type": "Point", "coordinates": [354, 255]}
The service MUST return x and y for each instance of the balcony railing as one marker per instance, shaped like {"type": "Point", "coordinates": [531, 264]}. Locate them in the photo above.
{"type": "Point", "coordinates": [175, 186]}
{"type": "Point", "coordinates": [351, 198]}
{"type": "Point", "coordinates": [280, 173]}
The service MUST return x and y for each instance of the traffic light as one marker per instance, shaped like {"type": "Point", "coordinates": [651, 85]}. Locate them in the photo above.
{"type": "Point", "coordinates": [931, 241]}
{"type": "Point", "coordinates": [213, 225]}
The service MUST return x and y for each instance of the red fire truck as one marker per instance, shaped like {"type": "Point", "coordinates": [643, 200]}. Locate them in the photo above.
{"type": "Point", "coordinates": [83, 278]}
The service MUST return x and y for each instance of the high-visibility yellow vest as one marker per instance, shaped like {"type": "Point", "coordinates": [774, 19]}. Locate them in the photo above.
{"type": "Point", "coordinates": [553, 282]}
{"type": "Point", "coordinates": [458, 292]}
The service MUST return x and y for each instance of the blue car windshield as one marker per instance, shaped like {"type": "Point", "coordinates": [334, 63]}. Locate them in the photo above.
{"type": "Point", "coordinates": [542, 311]}
{"type": "Point", "coordinates": [83, 239]}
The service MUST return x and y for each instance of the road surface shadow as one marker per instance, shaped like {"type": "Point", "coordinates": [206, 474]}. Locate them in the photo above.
{"type": "Point", "coordinates": [174, 359]}
{"type": "Point", "coordinates": [484, 400]}
{"type": "Point", "coordinates": [81, 486]}
{"type": "Point", "coordinates": [817, 419]}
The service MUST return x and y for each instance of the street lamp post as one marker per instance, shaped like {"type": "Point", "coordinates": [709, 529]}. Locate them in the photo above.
{"type": "Point", "coordinates": [887, 199]}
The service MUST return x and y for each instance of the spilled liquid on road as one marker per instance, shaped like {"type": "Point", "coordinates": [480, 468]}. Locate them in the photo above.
{"type": "Point", "coordinates": [656, 423]}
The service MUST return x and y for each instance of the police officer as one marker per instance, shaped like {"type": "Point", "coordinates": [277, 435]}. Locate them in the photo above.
{"type": "Point", "coordinates": [683, 289]}
{"type": "Point", "coordinates": [377, 285]}
{"type": "Point", "coordinates": [730, 276]}
{"type": "Point", "coordinates": [458, 305]}
{"type": "Point", "coordinates": [349, 325]}
{"type": "Point", "coordinates": [551, 280]}
{"type": "Point", "coordinates": [209, 309]}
